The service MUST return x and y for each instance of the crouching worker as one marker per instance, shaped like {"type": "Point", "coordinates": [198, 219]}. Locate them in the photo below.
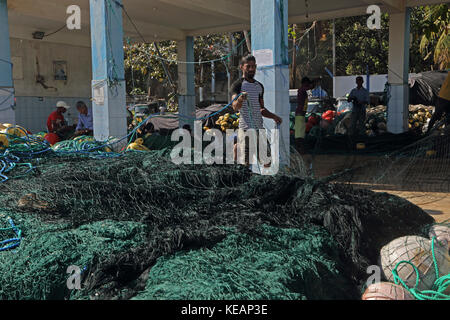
{"type": "Point", "coordinates": [56, 123]}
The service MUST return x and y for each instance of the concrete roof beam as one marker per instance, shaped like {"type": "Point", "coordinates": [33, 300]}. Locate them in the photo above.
{"type": "Point", "coordinates": [233, 9]}
{"type": "Point", "coordinates": [392, 6]}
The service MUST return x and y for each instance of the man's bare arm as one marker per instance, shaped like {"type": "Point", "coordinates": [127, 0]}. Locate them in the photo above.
{"type": "Point", "coordinates": [267, 114]}
{"type": "Point", "coordinates": [237, 104]}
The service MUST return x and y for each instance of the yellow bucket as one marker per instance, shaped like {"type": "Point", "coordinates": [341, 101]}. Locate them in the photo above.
{"type": "Point", "coordinates": [360, 146]}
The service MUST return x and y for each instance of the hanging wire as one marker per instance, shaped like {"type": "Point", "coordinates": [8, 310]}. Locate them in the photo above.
{"type": "Point", "coordinates": [307, 8]}
{"type": "Point", "coordinates": [159, 56]}
{"type": "Point", "coordinates": [50, 34]}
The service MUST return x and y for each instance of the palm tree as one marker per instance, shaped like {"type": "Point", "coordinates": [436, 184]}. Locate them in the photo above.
{"type": "Point", "coordinates": [436, 31]}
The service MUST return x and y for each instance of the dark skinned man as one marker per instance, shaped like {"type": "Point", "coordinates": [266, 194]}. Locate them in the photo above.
{"type": "Point", "coordinates": [250, 103]}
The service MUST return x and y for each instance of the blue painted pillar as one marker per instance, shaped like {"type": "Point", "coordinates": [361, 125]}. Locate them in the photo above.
{"type": "Point", "coordinates": [186, 84]}
{"type": "Point", "coordinates": [108, 73]}
{"type": "Point", "coordinates": [7, 113]}
{"type": "Point", "coordinates": [269, 32]}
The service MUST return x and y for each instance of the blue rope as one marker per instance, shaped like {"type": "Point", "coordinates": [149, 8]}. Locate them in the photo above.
{"type": "Point", "coordinates": [13, 242]}
{"type": "Point", "coordinates": [10, 161]}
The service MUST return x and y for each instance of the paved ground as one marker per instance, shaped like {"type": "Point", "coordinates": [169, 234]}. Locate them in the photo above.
{"type": "Point", "coordinates": [436, 204]}
{"type": "Point", "coordinates": [424, 182]}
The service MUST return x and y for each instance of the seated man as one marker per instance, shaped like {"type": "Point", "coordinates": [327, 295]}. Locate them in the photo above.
{"type": "Point", "coordinates": [56, 122]}
{"type": "Point", "coordinates": [85, 125]}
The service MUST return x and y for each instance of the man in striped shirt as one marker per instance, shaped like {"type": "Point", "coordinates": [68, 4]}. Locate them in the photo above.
{"type": "Point", "coordinates": [250, 104]}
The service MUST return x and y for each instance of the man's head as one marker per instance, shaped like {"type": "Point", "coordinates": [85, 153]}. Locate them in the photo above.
{"type": "Point", "coordinates": [307, 83]}
{"type": "Point", "coordinates": [82, 108]}
{"type": "Point", "coordinates": [359, 81]}
{"type": "Point", "coordinates": [62, 107]}
{"type": "Point", "coordinates": [248, 67]}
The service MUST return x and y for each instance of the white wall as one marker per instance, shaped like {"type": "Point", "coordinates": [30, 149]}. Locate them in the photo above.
{"type": "Point", "coordinates": [345, 84]}
{"type": "Point", "coordinates": [34, 103]}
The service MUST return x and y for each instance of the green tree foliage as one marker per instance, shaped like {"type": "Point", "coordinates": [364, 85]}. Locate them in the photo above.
{"type": "Point", "coordinates": [359, 49]}
{"type": "Point", "coordinates": [435, 39]}
{"type": "Point", "coordinates": [143, 66]}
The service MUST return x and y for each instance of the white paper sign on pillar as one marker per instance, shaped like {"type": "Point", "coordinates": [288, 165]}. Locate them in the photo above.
{"type": "Point", "coordinates": [264, 57]}
{"type": "Point", "coordinates": [98, 92]}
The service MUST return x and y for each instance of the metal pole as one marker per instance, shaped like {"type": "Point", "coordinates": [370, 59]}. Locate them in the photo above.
{"type": "Point", "coordinates": [213, 82]}
{"type": "Point", "coordinates": [200, 89]}
{"type": "Point", "coordinates": [334, 58]}
{"type": "Point", "coordinates": [294, 58]}
{"type": "Point", "coordinates": [247, 40]}
{"type": "Point", "coordinates": [230, 50]}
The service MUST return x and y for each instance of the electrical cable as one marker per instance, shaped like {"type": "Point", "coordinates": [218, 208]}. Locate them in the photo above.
{"type": "Point", "coordinates": [50, 34]}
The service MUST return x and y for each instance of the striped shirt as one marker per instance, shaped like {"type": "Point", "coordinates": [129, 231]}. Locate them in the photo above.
{"type": "Point", "coordinates": [250, 115]}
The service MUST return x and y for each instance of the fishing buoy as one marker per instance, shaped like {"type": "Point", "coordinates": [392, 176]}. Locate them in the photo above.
{"type": "Point", "coordinates": [360, 146]}
{"type": "Point", "coordinates": [52, 138]}
{"type": "Point", "coordinates": [430, 153]}
{"type": "Point", "coordinates": [386, 291]}
{"type": "Point", "coordinates": [16, 131]}
{"type": "Point", "coordinates": [416, 251]}
{"type": "Point", "coordinates": [442, 234]}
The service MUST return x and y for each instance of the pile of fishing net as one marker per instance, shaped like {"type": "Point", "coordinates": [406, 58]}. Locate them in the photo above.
{"type": "Point", "coordinates": [37, 268]}
{"type": "Point", "coordinates": [192, 232]}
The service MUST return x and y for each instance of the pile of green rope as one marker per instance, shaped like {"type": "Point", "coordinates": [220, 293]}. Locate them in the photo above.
{"type": "Point", "coordinates": [86, 145]}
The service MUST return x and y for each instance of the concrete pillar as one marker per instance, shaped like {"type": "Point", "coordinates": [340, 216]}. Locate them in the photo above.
{"type": "Point", "coordinates": [269, 29]}
{"type": "Point", "coordinates": [7, 113]}
{"type": "Point", "coordinates": [186, 84]}
{"type": "Point", "coordinates": [398, 105]}
{"type": "Point", "coordinates": [108, 73]}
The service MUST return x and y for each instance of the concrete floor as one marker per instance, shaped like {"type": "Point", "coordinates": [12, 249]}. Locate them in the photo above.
{"type": "Point", "coordinates": [424, 182]}
{"type": "Point", "coordinates": [435, 204]}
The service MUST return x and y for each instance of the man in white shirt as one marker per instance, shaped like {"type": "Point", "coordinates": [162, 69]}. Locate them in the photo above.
{"type": "Point", "coordinates": [360, 97]}
{"type": "Point", "coordinates": [85, 121]}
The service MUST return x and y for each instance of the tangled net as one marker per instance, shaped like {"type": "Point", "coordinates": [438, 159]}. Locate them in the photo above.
{"type": "Point", "coordinates": [334, 231]}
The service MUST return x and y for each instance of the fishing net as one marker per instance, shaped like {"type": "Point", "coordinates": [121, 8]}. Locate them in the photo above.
{"type": "Point", "coordinates": [418, 169]}
{"type": "Point", "coordinates": [271, 263]}
{"type": "Point", "coordinates": [142, 227]}
{"type": "Point", "coordinates": [186, 207]}
{"type": "Point", "coordinates": [37, 269]}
